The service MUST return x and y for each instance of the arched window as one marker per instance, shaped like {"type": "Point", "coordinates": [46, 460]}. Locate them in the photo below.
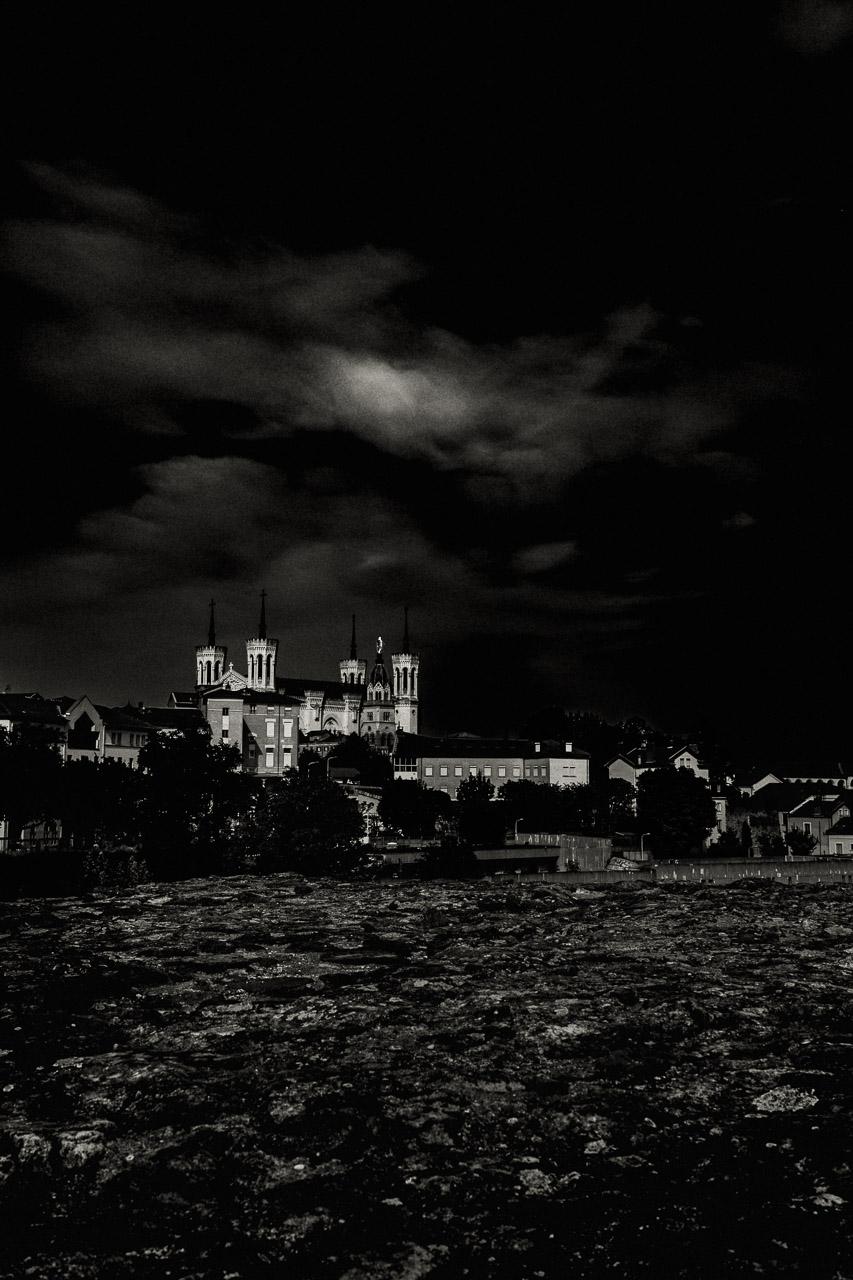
{"type": "Point", "coordinates": [405, 679]}
{"type": "Point", "coordinates": [200, 674]}
{"type": "Point", "coordinates": [208, 680]}
{"type": "Point", "coordinates": [216, 671]}
{"type": "Point", "coordinates": [269, 667]}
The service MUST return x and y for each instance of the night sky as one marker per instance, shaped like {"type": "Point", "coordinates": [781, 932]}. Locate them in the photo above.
{"type": "Point", "coordinates": [541, 330]}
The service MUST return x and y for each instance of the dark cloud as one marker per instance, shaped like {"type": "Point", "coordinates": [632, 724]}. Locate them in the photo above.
{"type": "Point", "coordinates": [816, 26]}
{"type": "Point", "coordinates": [150, 319]}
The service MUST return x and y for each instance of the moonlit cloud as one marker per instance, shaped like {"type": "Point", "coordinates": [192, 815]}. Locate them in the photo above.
{"type": "Point", "coordinates": [319, 343]}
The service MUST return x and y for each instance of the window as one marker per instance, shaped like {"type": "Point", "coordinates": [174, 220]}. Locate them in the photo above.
{"type": "Point", "coordinates": [287, 728]}
{"type": "Point", "coordinates": [516, 771]}
{"type": "Point", "coordinates": [807, 828]}
{"type": "Point", "coordinates": [839, 847]}
{"type": "Point", "coordinates": [442, 770]}
{"type": "Point", "coordinates": [226, 711]}
{"type": "Point", "coordinates": [224, 735]}
{"type": "Point", "coordinates": [270, 758]}
{"type": "Point", "coordinates": [501, 770]}
{"type": "Point", "coordinates": [472, 769]}
{"type": "Point", "coordinates": [270, 728]}
{"type": "Point", "coordinates": [370, 715]}
{"type": "Point", "coordinates": [444, 789]}
{"type": "Point", "coordinates": [487, 770]}
{"type": "Point", "coordinates": [428, 771]}
{"type": "Point", "coordinates": [457, 771]}
{"type": "Point", "coordinates": [386, 715]}
{"type": "Point", "coordinates": [286, 759]}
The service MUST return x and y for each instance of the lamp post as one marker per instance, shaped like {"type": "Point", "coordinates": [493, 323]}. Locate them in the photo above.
{"type": "Point", "coordinates": [642, 834]}
{"type": "Point", "coordinates": [515, 831]}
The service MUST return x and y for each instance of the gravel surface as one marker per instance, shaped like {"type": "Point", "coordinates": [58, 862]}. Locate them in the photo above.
{"type": "Point", "coordinates": [280, 1077]}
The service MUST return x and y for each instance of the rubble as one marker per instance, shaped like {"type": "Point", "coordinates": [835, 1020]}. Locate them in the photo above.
{"type": "Point", "coordinates": [276, 1076]}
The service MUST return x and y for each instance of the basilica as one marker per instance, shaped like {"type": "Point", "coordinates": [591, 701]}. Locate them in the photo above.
{"type": "Point", "coordinates": [376, 704]}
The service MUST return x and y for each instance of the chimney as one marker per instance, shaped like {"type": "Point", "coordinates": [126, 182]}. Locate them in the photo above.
{"type": "Point", "coordinates": [568, 748]}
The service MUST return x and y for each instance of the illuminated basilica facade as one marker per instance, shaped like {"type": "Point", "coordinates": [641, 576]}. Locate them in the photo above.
{"type": "Point", "coordinates": [374, 703]}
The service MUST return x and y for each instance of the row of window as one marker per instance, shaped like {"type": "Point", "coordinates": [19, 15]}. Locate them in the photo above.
{"type": "Point", "coordinates": [133, 739]}
{"type": "Point", "coordinates": [473, 770]}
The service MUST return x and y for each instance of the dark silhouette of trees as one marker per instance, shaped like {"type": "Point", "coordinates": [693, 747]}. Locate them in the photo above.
{"type": "Point", "coordinates": [480, 822]}
{"type": "Point", "coordinates": [676, 809]}
{"type": "Point", "coordinates": [99, 801]}
{"type": "Point", "coordinates": [309, 825]}
{"type": "Point", "coordinates": [374, 767]}
{"type": "Point", "coordinates": [30, 773]}
{"type": "Point", "coordinates": [193, 800]}
{"type": "Point", "coordinates": [800, 843]}
{"type": "Point", "coordinates": [412, 809]}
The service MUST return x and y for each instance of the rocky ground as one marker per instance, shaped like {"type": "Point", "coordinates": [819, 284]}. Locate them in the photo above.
{"type": "Point", "coordinates": [276, 1077]}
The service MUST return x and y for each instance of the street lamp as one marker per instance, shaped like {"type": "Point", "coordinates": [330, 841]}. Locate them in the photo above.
{"type": "Point", "coordinates": [515, 830]}
{"type": "Point", "coordinates": [642, 834]}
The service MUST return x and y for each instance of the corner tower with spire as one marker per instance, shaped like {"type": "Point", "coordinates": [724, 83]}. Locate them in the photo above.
{"type": "Point", "coordinates": [261, 654]}
{"type": "Point", "coordinates": [210, 657]}
{"type": "Point", "coordinates": [405, 667]}
{"type": "Point", "coordinates": [353, 668]}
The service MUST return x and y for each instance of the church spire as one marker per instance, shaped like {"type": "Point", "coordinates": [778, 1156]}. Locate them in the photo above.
{"type": "Point", "coordinates": [211, 630]}
{"type": "Point", "coordinates": [262, 625]}
{"type": "Point", "coordinates": [352, 650]}
{"type": "Point", "coordinates": [406, 646]}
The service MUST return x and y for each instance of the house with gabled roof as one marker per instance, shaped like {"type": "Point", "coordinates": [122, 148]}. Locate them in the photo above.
{"type": "Point", "coordinates": [819, 814]}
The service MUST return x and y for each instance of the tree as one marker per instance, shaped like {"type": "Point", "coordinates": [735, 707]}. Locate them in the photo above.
{"type": "Point", "coordinates": [30, 772]}
{"type": "Point", "coordinates": [769, 843]}
{"type": "Point", "coordinates": [480, 822]}
{"type": "Point", "coordinates": [676, 809]}
{"type": "Point", "coordinates": [193, 799]}
{"type": "Point", "coordinates": [309, 825]}
{"type": "Point", "coordinates": [411, 808]}
{"type": "Point", "coordinates": [800, 843]}
{"type": "Point", "coordinates": [621, 804]}
{"type": "Point", "coordinates": [374, 766]}
{"type": "Point", "coordinates": [99, 801]}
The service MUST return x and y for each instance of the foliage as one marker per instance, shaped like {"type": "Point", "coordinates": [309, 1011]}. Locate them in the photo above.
{"type": "Point", "coordinates": [118, 867]}
{"type": "Point", "coordinates": [412, 809]}
{"type": "Point", "coordinates": [30, 772]}
{"type": "Point", "coordinates": [375, 769]}
{"type": "Point", "coordinates": [98, 801]}
{"type": "Point", "coordinates": [676, 809]}
{"type": "Point", "coordinates": [192, 800]}
{"type": "Point", "coordinates": [769, 843]}
{"type": "Point", "coordinates": [588, 809]}
{"type": "Point", "coordinates": [800, 843]}
{"type": "Point", "coordinates": [479, 820]}
{"type": "Point", "coordinates": [728, 846]}
{"type": "Point", "coordinates": [308, 825]}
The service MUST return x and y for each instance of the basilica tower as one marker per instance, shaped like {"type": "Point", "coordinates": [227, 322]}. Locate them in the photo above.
{"type": "Point", "coordinates": [261, 654]}
{"type": "Point", "coordinates": [210, 657]}
{"type": "Point", "coordinates": [378, 717]}
{"type": "Point", "coordinates": [353, 668]}
{"type": "Point", "coordinates": [405, 666]}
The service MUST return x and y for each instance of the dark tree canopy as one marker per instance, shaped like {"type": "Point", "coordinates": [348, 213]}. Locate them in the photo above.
{"type": "Point", "coordinates": [411, 809]}
{"type": "Point", "coordinates": [676, 810]}
{"type": "Point", "coordinates": [308, 825]}
{"type": "Point", "coordinates": [30, 776]}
